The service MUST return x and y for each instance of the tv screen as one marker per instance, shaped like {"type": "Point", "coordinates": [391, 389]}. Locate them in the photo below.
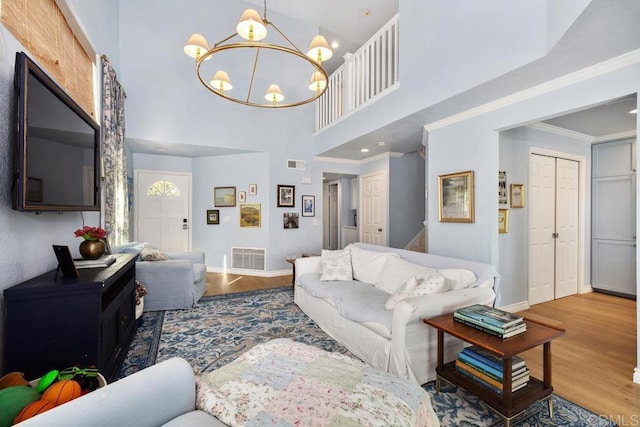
{"type": "Point", "coordinates": [58, 153]}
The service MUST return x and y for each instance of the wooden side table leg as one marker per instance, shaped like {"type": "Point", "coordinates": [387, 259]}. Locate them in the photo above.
{"type": "Point", "coordinates": [440, 359]}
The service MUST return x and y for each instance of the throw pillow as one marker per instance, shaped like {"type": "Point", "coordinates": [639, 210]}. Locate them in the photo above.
{"type": "Point", "coordinates": [458, 278]}
{"type": "Point", "coordinates": [367, 265]}
{"type": "Point", "coordinates": [401, 293]}
{"type": "Point", "coordinates": [396, 271]}
{"type": "Point", "coordinates": [336, 265]}
{"type": "Point", "coordinates": [151, 254]}
{"type": "Point", "coordinates": [435, 283]}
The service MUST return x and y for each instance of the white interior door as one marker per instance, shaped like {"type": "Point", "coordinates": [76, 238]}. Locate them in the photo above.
{"type": "Point", "coordinates": [542, 177]}
{"type": "Point", "coordinates": [553, 228]}
{"type": "Point", "coordinates": [373, 216]}
{"type": "Point", "coordinates": [566, 227]}
{"type": "Point", "coordinates": [163, 205]}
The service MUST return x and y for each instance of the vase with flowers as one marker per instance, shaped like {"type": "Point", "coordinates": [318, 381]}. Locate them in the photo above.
{"type": "Point", "coordinates": [92, 247]}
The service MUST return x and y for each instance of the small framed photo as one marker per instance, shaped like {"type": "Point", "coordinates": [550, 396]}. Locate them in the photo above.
{"type": "Point", "coordinates": [253, 189]}
{"type": "Point", "coordinates": [242, 196]}
{"type": "Point", "coordinates": [213, 216]}
{"type": "Point", "coordinates": [250, 215]}
{"type": "Point", "coordinates": [456, 197]}
{"type": "Point", "coordinates": [503, 221]}
{"type": "Point", "coordinates": [286, 196]}
{"type": "Point", "coordinates": [290, 220]}
{"type": "Point", "coordinates": [308, 205]}
{"type": "Point", "coordinates": [224, 197]}
{"type": "Point", "coordinates": [517, 195]}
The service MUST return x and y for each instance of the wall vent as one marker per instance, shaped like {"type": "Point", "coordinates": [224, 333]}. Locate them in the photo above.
{"type": "Point", "coordinates": [295, 164]}
{"type": "Point", "coordinates": [248, 258]}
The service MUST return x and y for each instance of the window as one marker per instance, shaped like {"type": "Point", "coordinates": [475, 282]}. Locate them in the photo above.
{"type": "Point", "coordinates": [163, 188]}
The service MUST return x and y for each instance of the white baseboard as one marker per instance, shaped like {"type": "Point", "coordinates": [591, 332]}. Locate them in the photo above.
{"type": "Point", "coordinates": [518, 306]}
{"type": "Point", "coordinates": [258, 273]}
{"type": "Point", "coordinates": [585, 289]}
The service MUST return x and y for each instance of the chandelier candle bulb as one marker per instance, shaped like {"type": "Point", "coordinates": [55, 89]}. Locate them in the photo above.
{"type": "Point", "coordinates": [274, 94]}
{"type": "Point", "coordinates": [251, 27]}
{"type": "Point", "coordinates": [319, 49]}
{"type": "Point", "coordinates": [221, 81]}
{"type": "Point", "coordinates": [317, 82]}
{"type": "Point", "coordinates": [196, 46]}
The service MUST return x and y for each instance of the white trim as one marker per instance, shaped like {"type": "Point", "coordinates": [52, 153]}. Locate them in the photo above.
{"type": "Point", "coordinates": [582, 195]}
{"type": "Point", "coordinates": [78, 29]}
{"type": "Point", "coordinates": [387, 155]}
{"type": "Point", "coordinates": [545, 127]}
{"type": "Point", "coordinates": [636, 375]}
{"type": "Point", "coordinates": [590, 72]}
{"type": "Point", "coordinates": [616, 136]}
{"type": "Point", "coordinates": [518, 306]}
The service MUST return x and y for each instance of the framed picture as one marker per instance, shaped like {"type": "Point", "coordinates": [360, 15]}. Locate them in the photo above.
{"type": "Point", "coordinates": [290, 220]}
{"type": "Point", "coordinates": [308, 205]}
{"type": "Point", "coordinates": [250, 215]}
{"type": "Point", "coordinates": [224, 197]}
{"type": "Point", "coordinates": [503, 220]}
{"type": "Point", "coordinates": [502, 187]}
{"type": "Point", "coordinates": [242, 196]}
{"type": "Point", "coordinates": [213, 216]}
{"type": "Point", "coordinates": [517, 195]}
{"type": "Point", "coordinates": [456, 197]}
{"type": "Point", "coordinates": [286, 196]}
{"type": "Point", "coordinates": [253, 189]}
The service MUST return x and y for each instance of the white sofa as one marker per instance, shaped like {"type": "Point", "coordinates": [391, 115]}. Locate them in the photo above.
{"type": "Point", "coordinates": [396, 340]}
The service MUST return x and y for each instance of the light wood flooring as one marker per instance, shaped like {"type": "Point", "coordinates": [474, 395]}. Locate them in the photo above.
{"type": "Point", "coordinates": [592, 364]}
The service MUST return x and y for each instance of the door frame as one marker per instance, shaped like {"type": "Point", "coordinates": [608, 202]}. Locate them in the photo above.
{"type": "Point", "coordinates": [189, 175]}
{"type": "Point", "coordinates": [584, 235]}
{"type": "Point", "coordinates": [326, 225]}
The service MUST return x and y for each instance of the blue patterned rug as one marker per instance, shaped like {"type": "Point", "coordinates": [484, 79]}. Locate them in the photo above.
{"type": "Point", "coordinates": [220, 328]}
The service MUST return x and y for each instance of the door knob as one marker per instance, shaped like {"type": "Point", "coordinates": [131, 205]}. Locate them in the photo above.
{"type": "Point", "coordinates": [379, 229]}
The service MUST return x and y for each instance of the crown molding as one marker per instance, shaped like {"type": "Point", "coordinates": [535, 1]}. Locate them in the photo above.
{"type": "Point", "coordinates": [587, 73]}
{"type": "Point", "coordinates": [615, 136]}
{"type": "Point", "coordinates": [545, 127]}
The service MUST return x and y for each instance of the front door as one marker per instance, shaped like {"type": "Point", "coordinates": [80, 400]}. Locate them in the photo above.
{"type": "Point", "coordinates": [162, 214]}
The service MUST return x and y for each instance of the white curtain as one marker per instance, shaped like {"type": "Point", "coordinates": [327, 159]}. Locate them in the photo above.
{"type": "Point", "coordinates": [115, 187]}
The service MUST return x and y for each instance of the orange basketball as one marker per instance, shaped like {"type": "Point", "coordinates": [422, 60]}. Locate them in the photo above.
{"type": "Point", "coordinates": [62, 392]}
{"type": "Point", "coordinates": [33, 409]}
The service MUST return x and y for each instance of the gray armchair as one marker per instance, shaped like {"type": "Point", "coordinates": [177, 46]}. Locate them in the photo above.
{"type": "Point", "coordinates": [175, 283]}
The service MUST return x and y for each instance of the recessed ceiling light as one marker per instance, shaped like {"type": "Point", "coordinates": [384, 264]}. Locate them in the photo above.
{"type": "Point", "coordinates": [381, 144]}
{"type": "Point", "coordinates": [634, 111]}
{"type": "Point", "coordinates": [335, 44]}
{"type": "Point", "coordinates": [364, 150]}
{"type": "Point", "coordinates": [365, 12]}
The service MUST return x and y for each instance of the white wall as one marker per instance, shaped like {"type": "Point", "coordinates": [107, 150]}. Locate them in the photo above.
{"type": "Point", "coordinates": [406, 198]}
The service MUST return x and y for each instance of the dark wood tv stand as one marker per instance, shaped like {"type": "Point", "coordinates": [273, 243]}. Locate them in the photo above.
{"type": "Point", "coordinates": [58, 322]}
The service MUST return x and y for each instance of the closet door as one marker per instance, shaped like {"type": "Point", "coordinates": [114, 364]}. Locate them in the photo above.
{"type": "Point", "coordinates": [567, 205]}
{"type": "Point", "coordinates": [613, 245]}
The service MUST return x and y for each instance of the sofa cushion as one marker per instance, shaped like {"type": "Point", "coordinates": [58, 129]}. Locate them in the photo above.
{"type": "Point", "coordinates": [336, 265]}
{"type": "Point", "coordinates": [402, 293]}
{"type": "Point", "coordinates": [433, 283]}
{"type": "Point", "coordinates": [151, 254]}
{"type": "Point", "coordinates": [367, 265]}
{"type": "Point", "coordinates": [396, 271]}
{"type": "Point", "coordinates": [458, 278]}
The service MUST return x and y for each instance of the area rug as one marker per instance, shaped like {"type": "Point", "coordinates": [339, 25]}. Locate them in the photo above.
{"type": "Point", "coordinates": [220, 328]}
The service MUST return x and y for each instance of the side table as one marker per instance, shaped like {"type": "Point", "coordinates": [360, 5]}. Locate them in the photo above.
{"type": "Point", "coordinates": [508, 404]}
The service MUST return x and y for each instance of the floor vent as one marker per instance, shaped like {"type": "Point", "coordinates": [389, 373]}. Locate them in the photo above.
{"type": "Point", "coordinates": [295, 164]}
{"type": "Point", "coordinates": [248, 258]}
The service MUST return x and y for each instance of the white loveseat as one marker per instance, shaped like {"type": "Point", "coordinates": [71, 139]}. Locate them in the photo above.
{"type": "Point", "coordinates": [395, 340]}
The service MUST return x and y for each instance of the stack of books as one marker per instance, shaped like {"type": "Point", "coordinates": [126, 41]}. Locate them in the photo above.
{"type": "Point", "coordinates": [491, 320]}
{"type": "Point", "coordinates": [486, 368]}
{"type": "Point", "coordinates": [103, 261]}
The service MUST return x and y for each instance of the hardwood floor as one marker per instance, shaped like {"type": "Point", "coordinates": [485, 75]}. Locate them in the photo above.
{"type": "Point", "coordinates": [592, 364]}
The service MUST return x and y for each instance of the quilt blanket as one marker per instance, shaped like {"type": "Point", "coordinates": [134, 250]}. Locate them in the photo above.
{"type": "Point", "coordinates": [284, 382]}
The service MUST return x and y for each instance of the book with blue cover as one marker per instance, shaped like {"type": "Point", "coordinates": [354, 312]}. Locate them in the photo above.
{"type": "Point", "coordinates": [491, 359]}
{"type": "Point", "coordinates": [492, 316]}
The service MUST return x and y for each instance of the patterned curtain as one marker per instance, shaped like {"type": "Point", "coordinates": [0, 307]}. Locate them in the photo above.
{"type": "Point", "coordinates": [115, 188]}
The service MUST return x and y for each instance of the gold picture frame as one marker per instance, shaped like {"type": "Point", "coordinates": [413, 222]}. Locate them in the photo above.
{"type": "Point", "coordinates": [503, 221]}
{"type": "Point", "coordinates": [250, 215]}
{"type": "Point", "coordinates": [455, 192]}
{"type": "Point", "coordinates": [517, 195]}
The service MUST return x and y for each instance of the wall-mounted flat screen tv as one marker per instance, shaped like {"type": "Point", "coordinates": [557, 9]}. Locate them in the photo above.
{"type": "Point", "coordinates": [57, 164]}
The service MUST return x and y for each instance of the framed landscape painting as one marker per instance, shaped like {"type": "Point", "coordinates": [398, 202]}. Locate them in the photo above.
{"type": "Point", "coordinates": [456, 197]}
{"type": "Point", "coordinates": [250, 215]}
{"type": "Point", "coordinates": [224, 197]}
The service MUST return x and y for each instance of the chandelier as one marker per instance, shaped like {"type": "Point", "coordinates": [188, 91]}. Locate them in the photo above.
{"type": "Point", "coordinates": [279, 61]}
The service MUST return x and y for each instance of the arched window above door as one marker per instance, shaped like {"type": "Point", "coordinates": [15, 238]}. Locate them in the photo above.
{"type": "Point", "coordinates": [163, 188]}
